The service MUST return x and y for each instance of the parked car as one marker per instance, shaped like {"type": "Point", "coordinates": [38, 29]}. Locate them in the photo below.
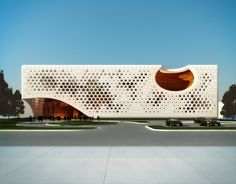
{"type": "Point", "coordinates": [207, 122]}
{"type": "Point", "coordinates": [199, 120]}
{"type": "Point", "coordinates": [173, 122]}
{"type": "Point", "coordinates": [213, 122]}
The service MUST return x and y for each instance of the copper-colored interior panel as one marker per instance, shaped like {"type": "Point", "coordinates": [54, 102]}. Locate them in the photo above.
{"type": "Point", "coordinates": [174, 81]}
{"type": "Point", "coordinates": [53, 108]}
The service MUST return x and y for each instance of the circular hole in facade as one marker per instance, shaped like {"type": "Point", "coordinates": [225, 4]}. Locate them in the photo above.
{"type": "Point", "coordinates": [174, 80]}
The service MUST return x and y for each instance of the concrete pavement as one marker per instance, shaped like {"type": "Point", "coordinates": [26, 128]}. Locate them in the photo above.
{"type": "Point", "coordinates": [121, 165]}
{"type": "Point", "coordinates": [122, 134]}
{"type": "Point", "coordinates": [117, 154]}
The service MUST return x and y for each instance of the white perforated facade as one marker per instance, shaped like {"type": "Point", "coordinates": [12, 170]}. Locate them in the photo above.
{"type": "Point", "coordinates": [122, 90]}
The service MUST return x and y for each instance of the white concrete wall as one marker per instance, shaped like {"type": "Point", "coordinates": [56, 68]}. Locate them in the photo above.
{"type": "Point", "coordinates": [220, 106]}
{"type": "Point", "coordinates": [122, 90]}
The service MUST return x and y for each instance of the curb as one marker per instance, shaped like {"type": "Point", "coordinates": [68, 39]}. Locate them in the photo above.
{"type": "Point", "coordinates": [171, 130]}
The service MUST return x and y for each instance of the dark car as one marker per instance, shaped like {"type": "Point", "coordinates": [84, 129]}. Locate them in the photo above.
{"type": "Point", "coordinates": [210, 122]}
{"type": "Point", "coordinates": [199, 120]}
{"type": "Point", "coordinates": [173, 122]}
{"type": "Point", "coordinates": [213, 122]}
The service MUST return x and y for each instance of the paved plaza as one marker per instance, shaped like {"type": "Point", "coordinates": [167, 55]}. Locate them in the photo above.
{"type": "Point", "coordinates": [121, 165]}
{"type": "Point", "coordinates": [126, 153]}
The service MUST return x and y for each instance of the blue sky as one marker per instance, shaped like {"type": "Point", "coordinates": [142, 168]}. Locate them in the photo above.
{"type": "Point", "coordinates": [173, 33]}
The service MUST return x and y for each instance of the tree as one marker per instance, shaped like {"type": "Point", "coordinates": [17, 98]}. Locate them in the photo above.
{"type": "Point", "coordinates": [18, 103]}
{"type": "Point", "coordinates": [229, 101]}
{"type": "Point", "coordinates": [3, 91]}
{"type": "Point", "coordinates": [11, 103]}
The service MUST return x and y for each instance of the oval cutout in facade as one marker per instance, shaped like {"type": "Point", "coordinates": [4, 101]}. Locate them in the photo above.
{"type": "Point", "coordinates": [174, 80]}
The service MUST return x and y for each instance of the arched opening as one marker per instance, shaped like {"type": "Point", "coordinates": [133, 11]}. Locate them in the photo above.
{"type": "Point", "coordinates": [174, 80]}
{"type": "Point", "coordinates": [52, 108]}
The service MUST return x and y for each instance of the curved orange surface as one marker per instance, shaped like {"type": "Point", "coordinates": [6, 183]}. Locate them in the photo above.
{"type": "Point", "coordinates": [51, 107]}
{"type": "Point", "coordinates": [174, 81]}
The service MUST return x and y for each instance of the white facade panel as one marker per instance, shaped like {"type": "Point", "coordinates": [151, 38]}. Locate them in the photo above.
{"type": "Point", "coordinates": [122, 90]}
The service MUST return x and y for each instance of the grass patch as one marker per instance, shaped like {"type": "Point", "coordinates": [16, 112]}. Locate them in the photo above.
{"type": "Point", "coordinates": [82, 123]}
{"type": "Point", "coordinates": [191, 128]}
{"type": "Point", "coordinates": [140, 121]}
{"type": "Point", "coordinates": [13, 120]}
{"type": "Point", "coordinates": [227, 121]}
{"type": "Point", "coordinates": [10, 124]}
{"type": "Point", "coordinates": [46, 128]}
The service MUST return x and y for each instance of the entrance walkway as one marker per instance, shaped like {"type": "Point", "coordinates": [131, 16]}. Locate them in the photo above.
{"type": "Point", "coordinates": [121, 165]}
